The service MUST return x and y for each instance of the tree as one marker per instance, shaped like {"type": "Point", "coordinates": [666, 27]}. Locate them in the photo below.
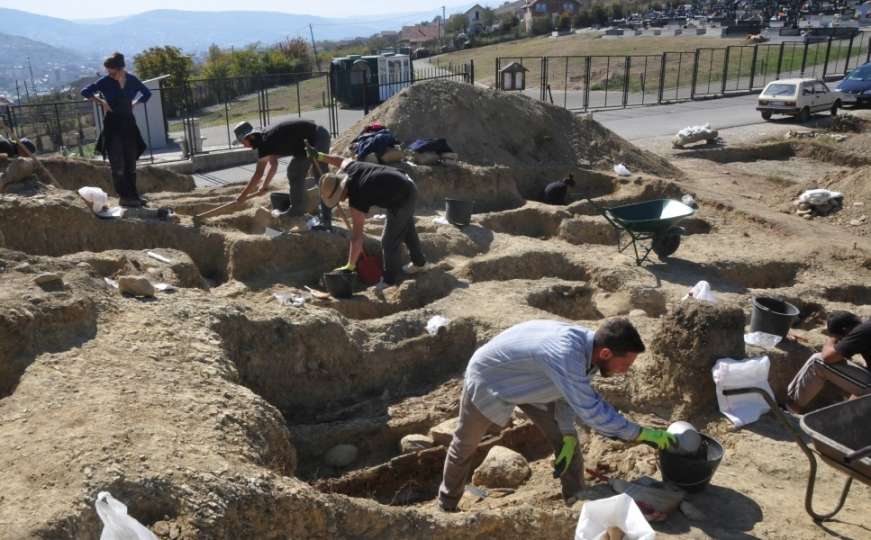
{"type": "Point", "coordinates": [541, 25]}
{"type": "Point", "coordinates": [488, 17]}
{"type": "Point", "coordinates": [509, 21]}
{"type": "Point", "coordinates": [600, 15]}
{"type": "Point", "coordinates": [168, 60]}
{"type": "Point", "coordinates": [565, 22]}
{"type": "Point", "coordinates": [583, 19]}
{"type": "Point", "coordinates": [456, 24]}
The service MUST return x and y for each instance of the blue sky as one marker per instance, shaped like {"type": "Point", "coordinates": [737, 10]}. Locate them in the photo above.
{"type": "Point", "coordinates": [92, 9]}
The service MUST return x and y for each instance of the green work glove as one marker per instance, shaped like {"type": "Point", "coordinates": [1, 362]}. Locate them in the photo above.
{"type": "Point", "coordinates": [570, 443]}
{"type": "Point", "coordinates": [347, 268]}
{"type": "Point", "coordinates": [658, 438]}
{"type": "Point", "coordinates": [311, 153]}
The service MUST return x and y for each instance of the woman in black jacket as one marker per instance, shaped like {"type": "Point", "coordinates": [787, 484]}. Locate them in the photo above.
{"type": "Point", "coordinates": [118, 93]}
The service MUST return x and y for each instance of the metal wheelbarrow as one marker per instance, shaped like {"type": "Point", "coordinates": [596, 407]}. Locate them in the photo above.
{"type": "Point", "coordinates": [650, 224]}
{"type": "Point", "coordinates": [840, 437]}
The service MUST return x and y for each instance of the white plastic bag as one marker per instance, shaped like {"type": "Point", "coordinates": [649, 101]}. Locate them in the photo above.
{"type": "Point", "coordinates": [753, 373]}
{"type": "Point", "coordinates": [618, 511]}
{"type": "Point", "coordinates": [762, 339]}
{"type": "Point", "coordinates": [436, 323]}
{"type": "Point", "coordinates": [819, 196]}
{"type": "Point", "coordinates": [701, 291]}
{"type": "Point", "coordinates": [96, 196]}
{"type": "Point", "coordinates": [621, 170]}
{"type": "Point", "coordinates": [117, 525]}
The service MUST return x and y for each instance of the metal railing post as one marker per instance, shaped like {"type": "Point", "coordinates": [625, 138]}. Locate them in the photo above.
{"type": "Point", "coordinates": [804, 58]}
{"type": "Point", "coordinates": [472, 71]}
{"type": "Point", "coordinates": [626, 69]}
{"type": "Point", "coordinates": [725, 70]}
{"type": "Point", "coordinates": [60, 130]}
{"type": "Point", "coordinates": [849, 53]}
{"type": "Point", "coordinates": [298, 102]}
{"type": "Point", "coordinates": [588, 68]}
{"type": "Point", "coordinates": [753, 66]}
{"type": "Point", "coordinates": [826, 61]}
{"type": "Point", "coordinates": [661, 77]}
{"type": "Point", "coordinates": [695, 75]}
{"type": "Point", "coordinates": [544, 77]}
{"type": "Point", "coordinates": [497, 79]}
{"type": "Point", "coordinates": [780, 59]}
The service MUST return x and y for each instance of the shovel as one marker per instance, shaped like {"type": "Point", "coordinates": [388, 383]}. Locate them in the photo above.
{"type": "Point", "coordinates": [317, 167]}
{"type": "Point", "coordinates": [23, 151]}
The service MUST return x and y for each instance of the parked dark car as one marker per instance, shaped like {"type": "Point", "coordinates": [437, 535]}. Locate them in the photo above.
{"type": "Point", "coordinates": [856, 86]}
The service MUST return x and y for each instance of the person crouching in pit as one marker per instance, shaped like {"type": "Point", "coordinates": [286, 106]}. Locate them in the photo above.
{"type": "Point", "coordinates": [365, 185]}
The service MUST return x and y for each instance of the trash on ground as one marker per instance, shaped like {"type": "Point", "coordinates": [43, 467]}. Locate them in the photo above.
{"type": "Point", "coordinates": [289, 300]}
{"type": "Point", "coordinates": [117, 525]}
{"type": "Point", "coordinates": [702, 292]}
{"type": "Point", "coordinates": [159, 257]}
{"type": "Point", "coordinates": [97, 198]}
{"type": "Point", "coordinates": [691, 134]}
{"type": "Point", "coordinates": [818, 202]}
{"type": "Point", "coordinates": [729, 373]}
{"type": "Point", "coordinates": [762, 339]}
{"type": "Point", "coordinates": [440, 220]}
{"type": "Point", "coordinates": [619, 511]}
{"type": "Point", "coordinates": [621, 170]}
{"type": "Point", "coordinates": [165, 287]}
{"type": "Point", "coordinates": [435, 324]}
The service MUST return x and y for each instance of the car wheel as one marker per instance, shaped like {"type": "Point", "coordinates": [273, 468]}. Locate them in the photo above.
{"type": "Point", "coordinates": [804, 115]}
{"type": "Point", "coordinates": [766, 115]}
{"type": "Point", "coordinates": [835, 107]}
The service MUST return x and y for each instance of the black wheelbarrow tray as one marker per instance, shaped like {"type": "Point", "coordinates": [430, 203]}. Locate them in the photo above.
{"type": "Point", "coordinates": [650, 224]}
{"type": "Point", "coordinates": [840, 437]}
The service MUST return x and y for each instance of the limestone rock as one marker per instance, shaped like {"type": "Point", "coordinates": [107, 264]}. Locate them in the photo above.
{"type": "Point", "coordinates": [49, 280]}
{"type": "Point", "coordinates": [502, 468]}
{"type": "Point", "coordinates": [135, 286]}
{"type": "Point", "coordinates": [341, 455]}
{"type": "Point", "coordinates": [444, 432]}
{"type": "Point", "coordinates": [415, 442]}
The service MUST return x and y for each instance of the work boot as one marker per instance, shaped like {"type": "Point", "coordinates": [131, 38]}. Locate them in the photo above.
{"type": "Point", "coordinates": [412, 268]}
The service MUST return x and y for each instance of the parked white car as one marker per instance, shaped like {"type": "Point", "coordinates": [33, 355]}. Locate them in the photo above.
{"type": "Point", "coordinates": [797, 97]}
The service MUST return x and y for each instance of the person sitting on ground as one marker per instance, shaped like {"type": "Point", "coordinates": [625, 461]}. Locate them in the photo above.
{"type": "Point", "coordinates": [286, 138]}
{"type": "Point", "coordinates": [848, 336]}
{"type": "Point", "coordinates": [10, 149]}
{"type": "Point", "coordinates": [366, 185]}
{"type": "Point", "coordinates": [556, 192]}
{"type": "Point", "coordinates": [546, 369]}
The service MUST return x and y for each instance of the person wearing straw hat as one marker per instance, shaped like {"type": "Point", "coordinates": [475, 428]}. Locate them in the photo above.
{"type": "Point", "coordinates": [365, 185]}
{"type": "Point", "coordinates": [9, 147]}
{"type": "Point", "coordinates": [286, 138]}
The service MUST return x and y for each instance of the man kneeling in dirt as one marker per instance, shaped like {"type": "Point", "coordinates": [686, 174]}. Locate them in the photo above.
{"type": "Point", "coordinates": [848, 336]}
{"type": "Point", "coordinates": [556, 192]}
{"type": "Point", "coordinates": [366, 185]}
{"type": "Point", "coordinates": [545, 368]}
{"type": "Point", "coordinates": [286, 138]}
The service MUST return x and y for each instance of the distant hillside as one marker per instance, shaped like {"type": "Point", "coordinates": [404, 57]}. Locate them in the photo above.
{"type": "Point", "coordinates": [15, 49]}
{"type": "Point", "coordinates": [193, 31]}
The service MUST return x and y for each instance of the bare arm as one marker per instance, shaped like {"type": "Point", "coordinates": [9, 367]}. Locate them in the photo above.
{"type": "Point", "coordinates": [273, 167]}
{"type": "Point", "coordinates": [830, 354]}
{"type": "Point", "coordinates": [358, 218]}
{"type": "Point", "coordinates": [335, 161]}
{"type": "Point", "coordinates": [255, 179]}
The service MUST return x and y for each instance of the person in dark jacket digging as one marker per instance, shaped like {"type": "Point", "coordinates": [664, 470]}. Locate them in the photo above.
{"type": "Point", "coordinates": [365, 185]}
{"type": "Point", "coordinates": [555, 192]}
{"type": "Point", "coordinates": [286, 138]}
{"type": "Point", "coordinates": [10, 149]}
{"type": "Point", "coordinates": [118, 93]}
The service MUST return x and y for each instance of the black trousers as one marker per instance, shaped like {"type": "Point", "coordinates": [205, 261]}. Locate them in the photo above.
{"type": "Point", "coordinates": [296, 172]}
{"type": "Point", "coordinates": [123, 152]}
{"type": "Point", "coordinates": [399, 230]}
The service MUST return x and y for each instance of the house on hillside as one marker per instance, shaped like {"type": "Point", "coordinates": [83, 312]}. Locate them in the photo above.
{"type": "Point", "coordinates": [553, 9]}
{"type": "Point", "coordinates": [517, 8]}
{"type": "Point", "coordinates": [475, 19]}
{"type": "Point", "coordinates": [419, 35]}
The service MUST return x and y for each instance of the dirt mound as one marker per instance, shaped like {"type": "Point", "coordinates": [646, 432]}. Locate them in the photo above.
{"type": "Point", "coordinates": [76, 173]}
{"type": "Point", "coordinates": [488, 127]}
{"type": "Point", "coordinates": [853, 183]}
{"type": "Point", "coordinates": [677, 371]}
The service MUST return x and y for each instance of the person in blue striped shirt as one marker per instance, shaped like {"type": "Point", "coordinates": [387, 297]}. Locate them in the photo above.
{"type": "Point", "coordinates": [545, 368]}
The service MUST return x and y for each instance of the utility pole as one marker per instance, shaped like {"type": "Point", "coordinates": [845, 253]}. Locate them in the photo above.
{"type": "Point", "coordinates": [314, 47]}
{"type": "Point", "coordinates": [442, 30]}
{"type": "Point", "coordinates": [32, 80]}
{"type": "Point", "coordinates": [18, 91]}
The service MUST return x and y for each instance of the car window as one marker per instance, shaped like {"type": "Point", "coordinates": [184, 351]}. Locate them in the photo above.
{"type": "Point", "coordinates": [820, 88]}
{"type": "Point", "coordinates": [807, 89]}
{"type": "Point", "coordinates": [780, 89]}
{"type": "Point", "coordinates": [861, 74]}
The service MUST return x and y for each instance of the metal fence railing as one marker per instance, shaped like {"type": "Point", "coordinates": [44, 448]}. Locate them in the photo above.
{"type": "Point", "coordinates": [596, 82]}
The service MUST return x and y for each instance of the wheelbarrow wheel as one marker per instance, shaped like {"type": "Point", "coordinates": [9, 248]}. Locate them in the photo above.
{"type": "Point", "coordinates": [667, 243]}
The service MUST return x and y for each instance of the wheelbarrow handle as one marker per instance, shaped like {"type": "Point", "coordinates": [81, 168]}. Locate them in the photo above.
{"type": "Point", "coordinates": [858, 454]}
{"type": "Point", "coordinates": [604, 212]}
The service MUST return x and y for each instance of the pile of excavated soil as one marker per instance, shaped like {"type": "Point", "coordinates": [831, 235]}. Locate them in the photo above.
{"type": "Point", "coordinates": [690, 339]}
{"type": "Point", "coordinates": [488, 127]}
{"type": "Point", "coordinates": [853, 183]}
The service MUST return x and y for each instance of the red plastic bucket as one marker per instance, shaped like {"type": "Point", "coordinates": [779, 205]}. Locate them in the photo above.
{"type": "Point", "coordinates": [369, 269]}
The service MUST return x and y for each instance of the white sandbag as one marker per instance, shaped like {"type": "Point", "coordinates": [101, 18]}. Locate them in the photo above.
{"type": "Point", "coordinates": [701, 291]}
{"type": "Point", "coordinates": [819, 196]}
{"type": "Point", "coordinates": [117, 525]}
{"type": "Point", "coordinates": [95, 196]}
{"type": "Point", "coordinates": [693, 134]}
{"type": "Point", "coordinates": [618, 511]}
{"type": "Point", "coordinates": [621, 170]}
{"type": "Point", "coordinates": [435, 324]}
{"type": "Point", "coordinates": [752, 373]}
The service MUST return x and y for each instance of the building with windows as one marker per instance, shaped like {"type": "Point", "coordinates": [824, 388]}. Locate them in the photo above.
{"type": "Point", "coordinates": [553, 9]}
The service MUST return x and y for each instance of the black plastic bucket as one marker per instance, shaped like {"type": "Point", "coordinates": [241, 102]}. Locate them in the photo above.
{"type": "Point", "coordinates": [339, 284]}
{"type": "Point", "coordinates": [280, 201]}
{"type": "Point", "coordinates": [458, 211]}
{"type": "Point", "coordinates": [692, 473]}
{"type": "Point", "coordinates": [772, 316]}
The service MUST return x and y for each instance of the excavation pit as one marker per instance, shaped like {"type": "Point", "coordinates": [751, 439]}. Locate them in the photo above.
{"type": "Point", "coordinates": [573, 302]}
{"type": "Point", "coordinates": [532, 265]}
